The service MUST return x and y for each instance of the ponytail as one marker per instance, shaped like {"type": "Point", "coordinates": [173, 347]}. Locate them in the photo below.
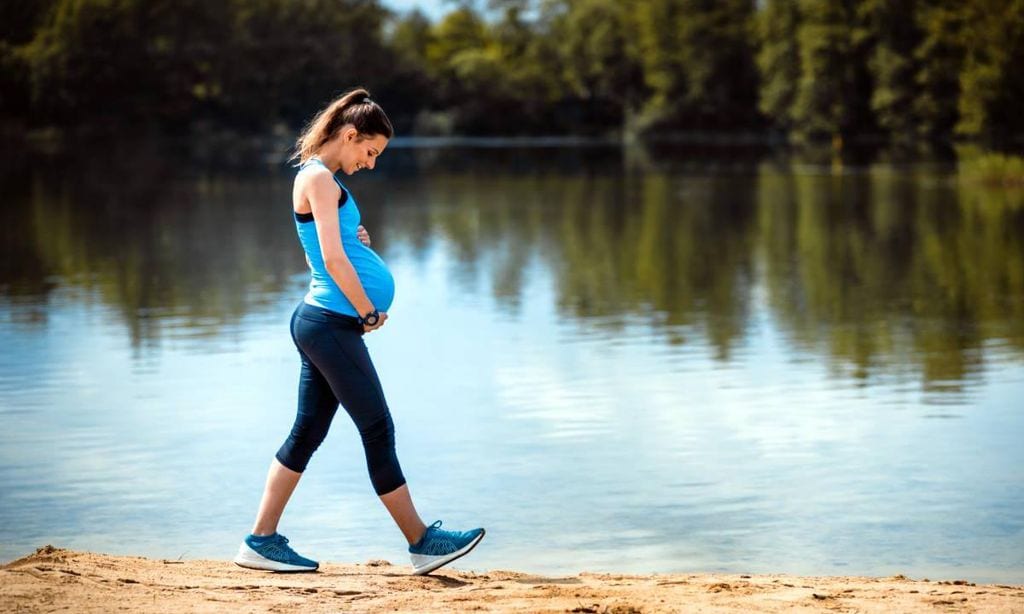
{"type": "Point", "coordinates": [353, 107]}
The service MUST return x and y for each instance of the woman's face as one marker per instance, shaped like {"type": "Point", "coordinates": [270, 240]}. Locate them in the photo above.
{"type": "Point", "coordinates": [360, 152]}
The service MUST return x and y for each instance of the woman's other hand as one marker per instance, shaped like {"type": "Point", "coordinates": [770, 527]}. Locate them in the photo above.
{"type": "Point", "coordinates": [362, 235]}
{"type": "Point", "coordinates": [380, 322]}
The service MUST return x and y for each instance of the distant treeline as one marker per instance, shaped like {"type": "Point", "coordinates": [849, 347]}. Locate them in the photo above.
{"type": "Point", "coordinates": [834, 69]}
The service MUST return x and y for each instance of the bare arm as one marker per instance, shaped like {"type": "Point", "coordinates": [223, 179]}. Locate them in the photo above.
{"type": "Point", "coordinates": [323, 193]}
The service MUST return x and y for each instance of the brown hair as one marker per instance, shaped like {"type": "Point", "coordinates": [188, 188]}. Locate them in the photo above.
{"type": "Point", "coordinates": [353, 107]}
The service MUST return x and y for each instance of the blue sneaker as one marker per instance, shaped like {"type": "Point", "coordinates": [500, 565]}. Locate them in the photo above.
{"type": "Point", "coordinates": [272, 553]}
{"type": "Point", "coordinates": [437, 547]}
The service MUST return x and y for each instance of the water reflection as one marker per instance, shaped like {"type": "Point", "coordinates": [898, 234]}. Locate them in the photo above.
{"type": "Point", "coordinates": [876, 268]}
{"type": "Point", "coordinates": [166, 249]}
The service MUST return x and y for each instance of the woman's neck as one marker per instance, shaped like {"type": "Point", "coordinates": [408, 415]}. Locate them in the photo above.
{"type": "Point", "coordinates": [332, 162]}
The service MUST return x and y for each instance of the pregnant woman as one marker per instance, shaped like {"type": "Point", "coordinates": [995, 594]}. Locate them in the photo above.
{"type": "Point", "coordinates": [349, 294]}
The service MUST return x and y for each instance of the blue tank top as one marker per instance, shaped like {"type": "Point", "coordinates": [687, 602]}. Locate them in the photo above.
{"type": "Point", "coordinates": [372, 272]}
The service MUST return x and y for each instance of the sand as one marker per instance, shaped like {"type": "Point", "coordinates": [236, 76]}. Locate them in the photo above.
{"type": "Point", "coordinates": [54, 579]}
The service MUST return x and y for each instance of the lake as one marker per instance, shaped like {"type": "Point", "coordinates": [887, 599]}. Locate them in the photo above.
{"type": "Point", "coordinates": [615, 359]}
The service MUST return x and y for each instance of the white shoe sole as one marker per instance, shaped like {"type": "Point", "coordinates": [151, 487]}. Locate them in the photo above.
{"type": "Point", "coordinates": [250, 559]}
{"type": "Point", "coordinates": [424, 564]}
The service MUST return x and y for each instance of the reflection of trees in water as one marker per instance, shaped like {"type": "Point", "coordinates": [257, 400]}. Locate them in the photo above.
{"type": "Point", "coordinates": [24, 272]}
{"type": "Point", "coordinates": [884, 271]}
{"type": "Point", "coordinates": [615, 244]}
{"type": "Point", "coordinates": [837, 254]}
{"type": "Point", "coordinates": [155, 244]}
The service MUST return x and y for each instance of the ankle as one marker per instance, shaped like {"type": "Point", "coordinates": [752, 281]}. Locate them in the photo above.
{"type": "Point", "coordinates": [263, 531]}
{"type": "Point", "coordinates": [417, 536]}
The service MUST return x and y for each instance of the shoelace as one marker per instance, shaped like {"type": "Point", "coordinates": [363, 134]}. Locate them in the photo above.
{"type": "Point", "coordinates": [441, 542]}
{"type": "Point", "coordinates": [279, 546]}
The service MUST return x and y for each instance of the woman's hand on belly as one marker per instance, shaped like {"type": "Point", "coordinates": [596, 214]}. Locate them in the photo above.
{"type": "Point", "coordinates": [362, 235]}
{"type": "Point", "coordinates": [380, 322]}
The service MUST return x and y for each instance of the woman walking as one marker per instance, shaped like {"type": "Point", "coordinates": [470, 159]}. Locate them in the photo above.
{"type": "Point", "coordinates": [349, 294]}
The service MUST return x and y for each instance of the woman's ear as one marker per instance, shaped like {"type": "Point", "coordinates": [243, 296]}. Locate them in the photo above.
{"type": "Point", "coordinates": [351, 134]}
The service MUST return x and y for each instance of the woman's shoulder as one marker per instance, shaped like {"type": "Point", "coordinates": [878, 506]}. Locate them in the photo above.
{"type": "Point", "coordinates": [312, 168]}
{"type": "Point", "coordinates": [316, 176]}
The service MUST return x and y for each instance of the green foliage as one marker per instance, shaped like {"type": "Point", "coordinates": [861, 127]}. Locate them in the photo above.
{"type": "Point", "coordinates": [993, 169]}
{"type": "Point", "coordinates": [834, 69]}
{"type": "Point", "coordinates": [831, 97]}
{"type": "Point", "coordinates": [127, 59]}
{"type": "Point", "coordinates": [939, 57]}
{"type": "Point", "coordinates": [462, 56]}
{"type": "Point", "coordinates": [893, 32]}
{"type": "Point", "coordinates": [172, 61]}
{"type": "Point", "coordinates": [460, 31]}
{"type": "Point", "coordinates": [697, 63]}
{"type": "Point", "coordinates": [992, 91]}
{"type": "Point", "coordinates": [285, 59]}
{"type": "Point", "coordinates": [778, 59]}
{"type": "Point", "coordinates": [406, 88]}
{"type": "Point", "coordinates": [531, 69]}
{"type": "Point", "coordinates": [599, 61]}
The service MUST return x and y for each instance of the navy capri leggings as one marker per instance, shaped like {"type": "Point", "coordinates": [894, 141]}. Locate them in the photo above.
{"type": "Point", "coordinates": [336, 368]}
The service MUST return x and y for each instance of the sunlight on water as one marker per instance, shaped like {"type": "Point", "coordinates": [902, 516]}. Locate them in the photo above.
{"type": "Point", "coordinates": [751, 368]}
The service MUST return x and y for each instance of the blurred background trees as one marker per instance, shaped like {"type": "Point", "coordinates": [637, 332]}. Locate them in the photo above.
{"type": "Point", "coordinates": [886, 70]}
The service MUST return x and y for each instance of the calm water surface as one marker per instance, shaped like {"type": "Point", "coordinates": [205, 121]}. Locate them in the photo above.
{"type": "Point", "coordinates": [613, 360]}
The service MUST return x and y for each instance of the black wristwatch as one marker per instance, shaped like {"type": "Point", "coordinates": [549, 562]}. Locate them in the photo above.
{"type": "Point", "coordinates": [370, 319]}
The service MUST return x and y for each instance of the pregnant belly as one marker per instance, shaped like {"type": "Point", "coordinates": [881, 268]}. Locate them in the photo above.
{"type": "Point", "coordinates": [375, 277]}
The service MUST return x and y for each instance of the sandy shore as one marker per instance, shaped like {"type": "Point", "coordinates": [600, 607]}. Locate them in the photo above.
{"type": "Point", "coordinates": [54, 579]}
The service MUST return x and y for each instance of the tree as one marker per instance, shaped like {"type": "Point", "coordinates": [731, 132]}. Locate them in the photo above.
{"type": "Point", "coordinates": [891, 27]}
{"type": "Point", "coordinates": [532, 68]}
{"type": "Point", "coordinates": [832, 98]}
{"type": "Point", "coordinates": [697, 62]}
{"type": "Point", "coordinates": [286, 59]}
{"type": "Point", "coordinates": [599, 61]}
{"type": "Point", "coordinates": [134, 60]}
{"type": "Point", "coordinates": [939, 57]}
{"type": "Point", "coordinates": [408, 88]}
{"type": "Point", "coordinates": [992, 91]}
{"type": "Point", "coordinates": [778, 59]}
{"type": "Point", "coordinates": [459, 31]}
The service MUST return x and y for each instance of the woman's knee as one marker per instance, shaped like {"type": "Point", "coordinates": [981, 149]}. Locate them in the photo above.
{"type": "Point", "coordinates": [300, 445]}
{"type": "Point", "coordinates": [380, 432]}
{"type": "Point", "coordinates": [381, 458]}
